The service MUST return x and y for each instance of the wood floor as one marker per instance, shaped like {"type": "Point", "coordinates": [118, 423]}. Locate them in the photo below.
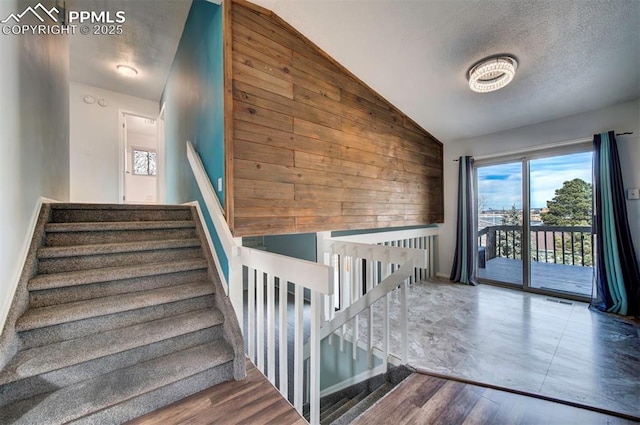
{"type": "Point", "coordinates": [425, 399]}
{"type": "Point", "coordinates": [250, 401]}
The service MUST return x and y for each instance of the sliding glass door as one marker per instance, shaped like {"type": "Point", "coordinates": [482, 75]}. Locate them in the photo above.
{"type": "Point", "coordinates": [534, 223]}
{"type": "Point", "coordinates": [560, 217]}
{"type": "Point", "coordinates": [500, 223]}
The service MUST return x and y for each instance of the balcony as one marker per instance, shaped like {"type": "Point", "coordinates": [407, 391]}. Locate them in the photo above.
{"type": "Point", "coordinates": [561, 257]}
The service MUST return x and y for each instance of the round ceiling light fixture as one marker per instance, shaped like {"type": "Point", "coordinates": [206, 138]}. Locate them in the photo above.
{"type": "Point", "coordinates": [492, 73]}
{"type": "Point", "coordinates": [127, 71]}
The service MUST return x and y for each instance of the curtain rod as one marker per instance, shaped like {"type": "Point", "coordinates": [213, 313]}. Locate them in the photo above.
{"type": "Point", "coordinates": [554, 145]}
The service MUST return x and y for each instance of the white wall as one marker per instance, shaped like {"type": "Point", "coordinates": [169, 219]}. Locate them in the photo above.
{"type": "Point", "coordinates": [95, 142]}
{"type": "Point", "coordinates": [620, 118]}
{"type": "Point", "coordinates": [34, 140]}
{"type": "Point", "coordinates": [140, 189]}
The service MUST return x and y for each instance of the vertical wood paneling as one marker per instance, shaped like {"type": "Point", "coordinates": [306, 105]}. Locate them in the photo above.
{"type": "Point", "coordinates": [314, 148]}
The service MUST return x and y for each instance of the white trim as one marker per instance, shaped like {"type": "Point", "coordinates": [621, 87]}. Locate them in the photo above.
{"type": "Point", "coordinates": [211, 247]}
{"type": "Point", "coordinates": [442, 275]}
{"type": "Point", "coordinates": [533, 151]}
{"type": "Point", "coordinates": [24, 252]}
{"type": "Point", "coordinates": [317, 277]}
{"type": "Point", "coordinates": [122, 148]}
{"type": "Point", "coordinates": [161, 194]}
{"type": "Point", "coordinates": [395, 235]}
{"type": "Point", "coordinates": [212, 203]}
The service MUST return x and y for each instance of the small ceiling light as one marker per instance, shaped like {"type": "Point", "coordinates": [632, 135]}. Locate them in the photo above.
{"type": "Point", "coordinates": [127, 71]}
{"type": "Point", "coordinates": [492, 74]}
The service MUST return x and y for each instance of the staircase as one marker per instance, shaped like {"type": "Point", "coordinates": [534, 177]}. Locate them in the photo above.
{"type": "Point", "coordinates": [119, 312]}
{"type": "Point", "coordinates": [343, 407]}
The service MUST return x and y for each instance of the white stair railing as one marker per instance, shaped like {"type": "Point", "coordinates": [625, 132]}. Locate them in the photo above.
{"type": "Point", "coordinates": [364, 274]}
{"type": "Point", "coordinates": [264, 269]}
{"type": "Point", "coordinates": [424, 239]}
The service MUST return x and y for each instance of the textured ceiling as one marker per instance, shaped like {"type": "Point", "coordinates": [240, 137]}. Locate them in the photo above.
{"type": "Point", "coordinates": [574, 55]}
{"type": "Point", "coordinates": [149, 41]}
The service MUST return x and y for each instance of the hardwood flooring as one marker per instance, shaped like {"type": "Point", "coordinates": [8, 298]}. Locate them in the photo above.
{"type": "Point", "coordinates": [250, 401]}
{"type": "Point", "coordinates": [425, 399]}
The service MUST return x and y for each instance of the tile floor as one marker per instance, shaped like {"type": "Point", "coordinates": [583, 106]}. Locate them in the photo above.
{"type": "Point", "coordinates": [523, 341]}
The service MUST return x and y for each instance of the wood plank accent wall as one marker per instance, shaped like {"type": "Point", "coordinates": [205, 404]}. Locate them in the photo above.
{"type": "Point", "coordinates": [314, 148]}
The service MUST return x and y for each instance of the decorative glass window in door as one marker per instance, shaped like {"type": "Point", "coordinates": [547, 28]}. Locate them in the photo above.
{"type": "Point", "coordinates": [144, 162]}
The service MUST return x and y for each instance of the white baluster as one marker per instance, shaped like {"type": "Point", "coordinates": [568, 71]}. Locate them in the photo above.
{"type": "Point", "coordinates": [298, 349]}
{"type": "Point", "coordinates": [404, 322]}
{"type": "Point", "coordinates": [282, 346]}
{"type": "Point", "coordinates": [271, 330]}
{"type": "Point", "coordinates": [260, 322]}
{"type": "Point", "coordinates": [315, 359]}
{"type": "Point", "coordinates": [251, 316]}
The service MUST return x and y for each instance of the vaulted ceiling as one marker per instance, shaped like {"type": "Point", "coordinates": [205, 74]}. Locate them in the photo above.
{"type": "Point", "coordinates": [574, 55]}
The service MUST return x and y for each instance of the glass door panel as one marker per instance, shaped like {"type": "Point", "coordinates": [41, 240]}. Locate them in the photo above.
{"type": "Point", "coordinates": [560, 223]}
{"type": "Point", "coordinates": [499, 213]}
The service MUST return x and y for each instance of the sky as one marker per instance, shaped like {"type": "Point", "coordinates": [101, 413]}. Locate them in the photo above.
{"type": "Point", "coordinates": [500, 186]}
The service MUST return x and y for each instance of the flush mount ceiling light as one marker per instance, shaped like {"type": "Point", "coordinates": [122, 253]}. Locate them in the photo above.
{"type": "Point", "coordinates": [492, 73]}
{"type": "Point", "coordinates": [127, 71]}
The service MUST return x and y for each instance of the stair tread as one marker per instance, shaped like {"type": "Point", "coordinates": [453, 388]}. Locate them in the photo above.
{"type": "Point", "coordinates": [62, 313]}
{"type": "Point", "coordinates": [96, 226]}
{"type": "Point", "coordinates": [93, 395]}
{"type": "Point", "coordinates": [105, 274]}
{"type": "Point", "coordinates": [365, 404]}
{"type": "Point", "coordinates": [345, 408]}
{"type": "Point", "coordinates": [75, 206]}
{"type": "Point", "coordinates": [330, 409]}
{"type": "Point", "coordinates": [46, 358]}
{"type": "Point", "coordinates": [113, 248]}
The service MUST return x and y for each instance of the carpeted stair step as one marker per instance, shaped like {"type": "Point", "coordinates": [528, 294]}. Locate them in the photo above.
{"type": "Point", "coordinates": [65, 234]}
{"type": "Point", "coordinates": [49, 252]}
{"type": "Point", "coordinates": [364, 405]}
{"type": "Point", "coordinates": [106, 274]}
{"type": "Point", "coordinates": [65, 213]}
{"type": "Point", "coordinates": [62, 313]}
{"type": "Point", "coordinates": [71, 264]}
{"type": "Point", "coordinates": [153, 400]}
{"type": "Point", "coordinates": [81, 328]}
{"type": "Point", "coordinates": [324, 406]}
{"type": "Point", "coordinates": [47, 297]}
{"type": "Point", "coordinates": [63, 354]}
{"type": "Point", "coordinates": [50, 381]}
{"type": "Point", "coordinates": [344, 408]}
{"type": "Point", "coordinates": [106, 226]}
{"type": "Point", "coordinates": [330, 409]}
{"type": "Point", "coordinates": [134, 383]}
{"type": "Point", "coordinates": [122, 317]}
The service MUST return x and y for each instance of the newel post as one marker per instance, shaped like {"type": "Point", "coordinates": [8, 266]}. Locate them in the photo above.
{"type": "Point", "coordinates": [236, 281]}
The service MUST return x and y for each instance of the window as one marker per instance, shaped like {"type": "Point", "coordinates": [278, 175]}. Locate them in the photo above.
{"type": "Point", "coordinates": [144, 162]}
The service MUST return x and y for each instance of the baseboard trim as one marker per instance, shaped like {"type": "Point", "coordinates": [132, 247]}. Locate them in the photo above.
{"type": "Point", "coordinates": [24, 252]}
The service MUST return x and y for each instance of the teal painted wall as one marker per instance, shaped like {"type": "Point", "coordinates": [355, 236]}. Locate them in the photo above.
{"type": "Point", "coordinates": [194, 110]}
{"type": "Point", "coordinates": [300, 245]}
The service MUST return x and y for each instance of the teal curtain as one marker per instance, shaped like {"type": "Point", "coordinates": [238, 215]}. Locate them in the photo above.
{"type": "Point", "coordinates": [464, 261]}
{"type": "Point", "coordinates": [617, 276]}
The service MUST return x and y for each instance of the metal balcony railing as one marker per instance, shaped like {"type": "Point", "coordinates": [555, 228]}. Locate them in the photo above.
{"type": "Point", "coordinates": [570, 245]}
